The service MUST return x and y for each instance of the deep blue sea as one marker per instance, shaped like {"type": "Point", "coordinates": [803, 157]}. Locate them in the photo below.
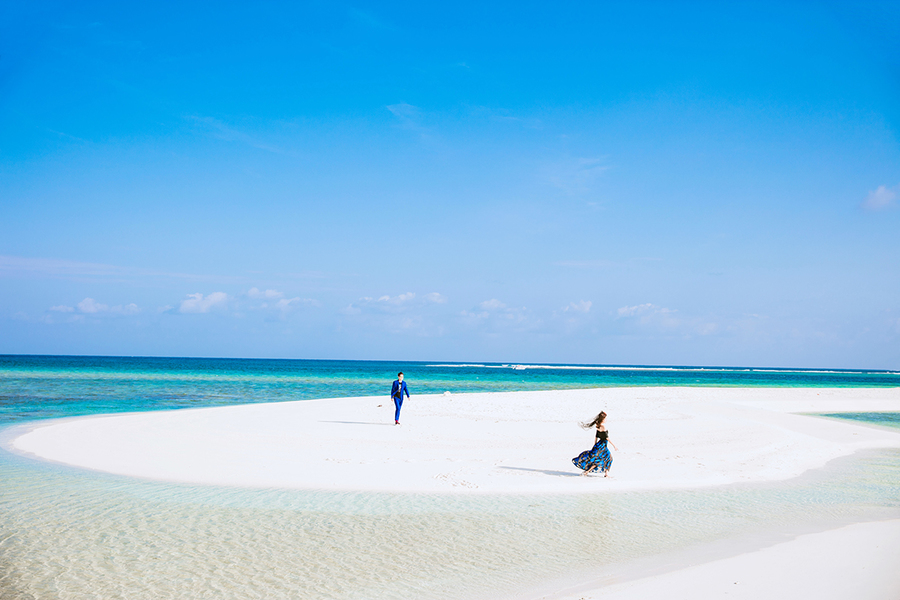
{"type": "Point", "coordinates": [38, 387]}
{"type": "Point", "coordinates": [72, 533]}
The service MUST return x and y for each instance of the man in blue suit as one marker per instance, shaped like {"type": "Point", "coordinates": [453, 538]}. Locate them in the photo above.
{"type": "Point", "coordinates": [397, 391]}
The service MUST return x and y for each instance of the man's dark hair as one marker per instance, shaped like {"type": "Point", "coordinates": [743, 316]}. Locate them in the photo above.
{"type": "Point", "coordinates": [400, 373]}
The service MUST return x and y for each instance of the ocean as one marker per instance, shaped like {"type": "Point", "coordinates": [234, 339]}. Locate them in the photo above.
{"type": "Point", "coordinates": [39, 387]}
{"type": "Point", "coordinates": [71, 533]}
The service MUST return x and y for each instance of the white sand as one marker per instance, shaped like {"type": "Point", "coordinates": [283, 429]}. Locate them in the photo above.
{"type": "Point", "coordinates": [523, 443]}
{"type": "Point", "coordinates": [858, 561]}
{"type": "Point", "coordinates": [519, 442]}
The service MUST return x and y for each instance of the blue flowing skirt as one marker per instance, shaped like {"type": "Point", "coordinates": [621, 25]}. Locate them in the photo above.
{"type": "Point", "coordinates": [597, 458]}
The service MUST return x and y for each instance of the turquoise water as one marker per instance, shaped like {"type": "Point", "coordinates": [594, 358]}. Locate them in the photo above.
{"type": "Point", "coordinates": [887, 419]}
{"type": "Point", "coordinates": [68, 533]}
{"type": "Point", "coordinates": [36, 387]}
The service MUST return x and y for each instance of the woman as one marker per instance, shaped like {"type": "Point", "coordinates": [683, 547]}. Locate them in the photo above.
{"type": "Point", "coordinates": [597, 457]}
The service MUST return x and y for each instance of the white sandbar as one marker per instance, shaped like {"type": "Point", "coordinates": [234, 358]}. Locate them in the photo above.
{"type": "Point", "coordinates": [520, 442]}
{"type": "Point", "coordinates": [857, 561]}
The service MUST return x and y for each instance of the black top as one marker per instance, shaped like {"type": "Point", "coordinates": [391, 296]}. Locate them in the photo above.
{"type": "Point", "coordinates": [602, 435]}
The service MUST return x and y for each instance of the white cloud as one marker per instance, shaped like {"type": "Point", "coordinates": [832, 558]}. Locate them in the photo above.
{"type": "Point", "coordinates": [407, 312]}
{"type": "Point", "coordinates": [268, 294]}
{"type": "Point", "coordinates": [88, 305]}
{"type": "Point", "coordinates": [197, 303]}
{"type": "Point", "coordinates": [281, 305]}
{"type": "Point", "coordinates": [639, 309]}
{"type": "Point", "coordinates": [707, 328]}
{"type": "Point", "coordinates": [492, 304]}
{"type": "Point", "coordinates": [496, 316]}
{"type": "Point", "coordinates": [286, 304]}
{"type": "Point", "coordinates": [401, 299]}
{"type": "Point", "coordinates": [436, 298]}
{"type": "Point", "coordinates": [881, 198]}
{"type": "Point", "coordinates": [651, 317]}
{"type": "Point", "coordinates": [405, 302]}
{"type": "Point", "coordinates": [584, 306]}
{"type": "Point", "coordinates": [351, 309]}
{"type": "Point", "coordinates": [128, 309]}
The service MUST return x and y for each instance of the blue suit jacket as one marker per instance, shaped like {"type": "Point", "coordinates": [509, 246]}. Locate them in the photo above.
{"type": "Point", "coordinates": [398, 389]}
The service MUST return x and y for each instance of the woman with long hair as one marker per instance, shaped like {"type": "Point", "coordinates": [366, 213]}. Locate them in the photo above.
{"type": "Point", "coordinates": [598, 457]}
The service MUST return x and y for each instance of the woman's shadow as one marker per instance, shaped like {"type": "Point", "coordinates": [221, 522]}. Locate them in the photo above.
{"type": "Point", "coordinates": [544, 471]}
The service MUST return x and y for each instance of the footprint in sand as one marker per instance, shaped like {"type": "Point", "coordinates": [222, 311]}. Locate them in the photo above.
{"type": "Point", "coordinates": [454, 481]}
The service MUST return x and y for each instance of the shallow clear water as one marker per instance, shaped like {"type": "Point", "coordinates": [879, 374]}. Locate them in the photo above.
{"type": "Point", "coordinates": [68, 533]}
{"type": "Point", "coordinates": [887, 419]}
{"type": "Point", "coordinates": [73, 534]}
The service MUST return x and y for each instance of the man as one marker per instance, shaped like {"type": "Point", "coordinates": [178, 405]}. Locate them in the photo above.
{"type": "Point", "coordinates": [397, 391]}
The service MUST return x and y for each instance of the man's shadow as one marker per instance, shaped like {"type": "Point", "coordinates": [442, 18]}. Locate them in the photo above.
{"type": "Point", "coordinates": [544, 471]}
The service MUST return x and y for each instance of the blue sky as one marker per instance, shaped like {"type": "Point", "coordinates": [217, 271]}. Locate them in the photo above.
{"type": "Point", "coordinates": [626, 183]}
